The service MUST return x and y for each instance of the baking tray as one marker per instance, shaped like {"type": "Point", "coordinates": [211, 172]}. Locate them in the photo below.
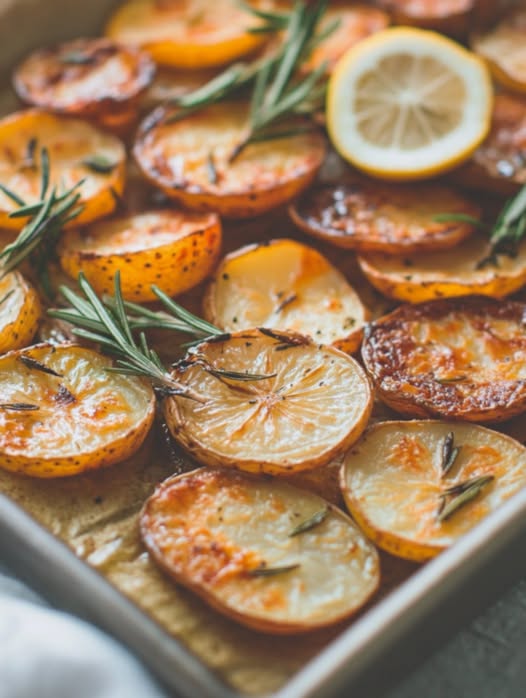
{"type": "Point", "coordinates": [394, 630]}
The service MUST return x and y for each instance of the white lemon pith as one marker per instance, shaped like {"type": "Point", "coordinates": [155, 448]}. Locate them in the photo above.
{"type": "Point", "coordinates": [408, 103]}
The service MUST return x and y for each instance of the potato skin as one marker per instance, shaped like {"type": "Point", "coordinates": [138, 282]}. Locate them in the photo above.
{"type": "Point", "coordinates": [188, 526]}
{"type": "Point", "coordinates": [20, 312]}
{"type": "Point", "coordinates": [424, 359]}
{"type": "Point", "coordinates": [104, 83]}
{"type": "Point", "coordinates": [176, 158]}
{"type": "Point", "coordinates": [173, 250]}
{"type": "Point", "coordinates": [366, 215]}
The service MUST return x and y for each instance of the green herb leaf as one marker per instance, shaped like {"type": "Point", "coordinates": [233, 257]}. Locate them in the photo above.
{"type": "Point", "coordinates": [99, 164]}
{"type": "Point", "coordinates": [462, 494]}
{"type": "Point", "coordinates": [264, 571]}
{"type": "Point", "coordinates": [310, 523]}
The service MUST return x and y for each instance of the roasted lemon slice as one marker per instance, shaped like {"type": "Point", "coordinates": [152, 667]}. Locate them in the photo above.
{"type": "Point", "coordinates": [461, 358]}
{"type": "Point", "coordinates": [268, 555]}
{"type": "Point", "coordinates": [459, 272]}
{"type": "Point", "coordinates": [363, 214]}
{"type": "Point", "coordinates": [285, 285]}
{"type": "Point", "coordinates": [191, 161]}
{"type": "Point", "coordinates": [77, 151]}
{"type": "Point", "coordinates": [271, 402]}
{"type": "Point", "coordinates": [504, 49]}
{"type": "Point", "coordinates": [62, 412]}
{"type": "Point", "coordinates": [171, 249]}
{"type": "Point", "coordinates": [407, 103]}
{"type": "Point", "coordinates": [20, 312]}
{"type": "Point", "coordinates": [189, 34]}
{"type": "Point", "coordinates": [89, 78]}
{"type": "Point", "coordinates": [415, 487]}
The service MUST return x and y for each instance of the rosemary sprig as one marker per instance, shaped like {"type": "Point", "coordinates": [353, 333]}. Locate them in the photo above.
{"type": "Point", "coordinates": [107, 325]}
{"type": "Point", "coordinates": [46, 219]}
{"type": "Point", "coordinates": [310, 523]}
{"type": "Point", "coordinates": [461, 494]}
{"type": "Point", "coordinates": [507, 232]}
{"type": "Point", "coordinates": [277, 95]}
{"type": "Point", "coordinates": [19, 406]}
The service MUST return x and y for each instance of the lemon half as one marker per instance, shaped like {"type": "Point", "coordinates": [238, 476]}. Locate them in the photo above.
{"type": "Point", "coordinates": [408, 103]}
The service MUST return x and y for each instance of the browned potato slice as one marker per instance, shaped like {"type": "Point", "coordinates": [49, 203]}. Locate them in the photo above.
{"type": "Point", "coordinates": [366, 215]}
{"type": "Point", "coordinates": [238, 542]}
{"type": "Point", "coordinates": [187, 33]}
{"type": "Point", "coordinates": [62, 412]}
{"type": "Point", "coordinates": [20, 312]}
{"type": "Point", "coordinates": [285, 285]}
{"type": "Point", "coordinates": [414, 494]}
{"type": "Point", "coordinates": [504, 48]}
{"type": "Point", "coordinates": [443, 274]}
{"type": "Point", "coordinates": [89, 78]}
{"type": "Point", "coordinates": [499, 164]}
{"type": "Point", "coordinates": [271, 402]}
{"type": "Point", "coordinates": [189, 160]}
{"type": "Point", "coordinates": [356, 22]}
{"type": "Point", "coordinates": [172, 249]}
{"type": "Point", "coordinates": [77, 150]}
{"type": "Point", "coordinates": [446, 16]}
{"type": "Point", "coordinates": [462, 358]}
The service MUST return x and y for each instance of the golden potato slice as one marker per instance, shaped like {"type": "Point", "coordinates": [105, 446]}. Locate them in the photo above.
{"type": "Point", "coordinates": [461, 358]}
{"type": "Point", "coordinates": [444, 274]}
{"type": "Point", "coordinates": [271, 402]}
{"type": "Point", "coordinates": [356, 22]}
{"type": "Point", "coordinates": [499, 163]}
{"type": "Point", "coordinates": [366, 215]}
{"type": "Point", "coordinates": [20, 312]}
{"type": "Point", "coordinates": [446, 16]}
{"type": "Point", "coordinates": [89, 78]}
{"type": "Point", "coordinates": [62, 412]}
{"type": "Point", "coordinates": [189, 160]}
{"type": "Point", "coordinates": [77, 150]}
{"type": "Point", "coordinates": [285, 285]}
{"type": "Point", "coordinates": [268, 555]}
{"type": "Point", "coordinates": [415, 487]}
{"type": "Point", "coordinates": [503, 47]}
{"type": "Point", "coordinates": [172, 249]}
{"type": "Point", "coordinates": [187, 33]}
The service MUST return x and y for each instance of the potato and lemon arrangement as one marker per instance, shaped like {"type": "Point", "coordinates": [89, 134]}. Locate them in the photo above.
{"type": "Point", "coordinates": [316, 238]}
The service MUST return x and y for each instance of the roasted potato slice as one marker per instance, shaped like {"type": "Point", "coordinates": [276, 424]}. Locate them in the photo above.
{"type": "Point", "coordinates": [77, 151]}
{"type": "Point", "coordinates": [189, 160]}
{"type": "Point", "coordinates": [271, 402]}
{"type": "Point", "coordinates": [356, 22]}
{"type": "Point", "coordinates": [460, 358]}
{"type": "Point", "coordinates": [286, 285]}
{"type": "Point", "coordinates": [502, 45]}
{"type": "Point", "coordinates": [189, 34]}
{"type": "Point", "coordinates": [89, 78]}
{"type": "Point", "coordinates": [499, 163]}
{"type": "Point", "coordinates": [366, 215]}
{"type": "Point", "coordinates": [62, 412]}
{"type": "Point", "coordinates": [268, 555]}
{"type": "Point", "coordinates": [415, 487]}
{"type": "Point", "coordinates": [174, 250]}
{"type": "Point", "coordinates": [444, 274]}
{"type": "Point", "coordinates": [451, 17]}
{"type": "Point", "coordinates": [20, 312]}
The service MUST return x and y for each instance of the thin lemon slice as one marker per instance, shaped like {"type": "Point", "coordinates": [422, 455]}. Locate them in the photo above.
{"type": "Point", "coordinates": [407, 104]}
{"type": "Point", "coordinates": [272, 402]}
{"type": "Point", "coordinates": [288, 286]}
{"type": "Point", "coordinates": [415, 487]}
{"type": "Point", "coordinates": [268, 555]}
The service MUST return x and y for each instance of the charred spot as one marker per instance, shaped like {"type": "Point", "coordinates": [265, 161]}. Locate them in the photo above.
{"type": "Point", "coordinates": [64, 396]}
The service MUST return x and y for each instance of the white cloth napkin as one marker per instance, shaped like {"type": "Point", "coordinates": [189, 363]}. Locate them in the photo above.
{"type": "Point", "coordinates": [45, 653]}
